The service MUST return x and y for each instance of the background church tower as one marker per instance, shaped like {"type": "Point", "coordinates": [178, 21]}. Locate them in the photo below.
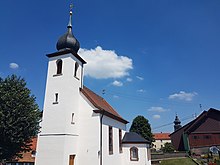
{"type": "Point", "coordinates": [57, 142]}
{"type": "Point", "coordinates": [177, 123]}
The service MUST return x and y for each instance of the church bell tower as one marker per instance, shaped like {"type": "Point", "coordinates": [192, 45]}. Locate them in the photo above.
{"type": "Point", "coordinates": [177, 123]}
{"type": "Point", "coordinates": [57, 141]}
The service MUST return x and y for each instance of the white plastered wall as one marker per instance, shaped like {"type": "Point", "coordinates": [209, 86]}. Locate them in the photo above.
{"type": "Point", "coordinates": [158, 143]}
{"type": "Point", "coordinates": [142, 154]}
{"type": "Point", "coordinates": [59, 137]}
{"type": "Point", "coordinates": [89, 131]}
{"type": "Point", "coordinates": [116, 157]}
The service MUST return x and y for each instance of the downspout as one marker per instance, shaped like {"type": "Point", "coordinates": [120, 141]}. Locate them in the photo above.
{"type": "Point", "coordinates": [102, 114]}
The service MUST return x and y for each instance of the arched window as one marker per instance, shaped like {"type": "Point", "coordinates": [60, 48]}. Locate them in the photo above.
{"type": "Point", "coordinates": [76, 68]}
{"type": "Point", "coordinates": [134, 154]}
{"type": "Point", "coordinates": [59, 66]}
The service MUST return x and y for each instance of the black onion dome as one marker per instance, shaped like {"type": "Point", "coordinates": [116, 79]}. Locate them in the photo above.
{"type": "Point", "coordinates": [68, 41]}
{"type": "Point", "coordinates": [177, 120]}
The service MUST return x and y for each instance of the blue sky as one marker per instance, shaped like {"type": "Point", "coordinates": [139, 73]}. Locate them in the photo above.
{"type": "Point", "coordinates": [155, 58]}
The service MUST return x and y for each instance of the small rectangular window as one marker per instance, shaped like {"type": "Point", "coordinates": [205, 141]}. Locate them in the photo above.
{"type": "Point", "coordinates": [195, 137]}
{"type": "Point", "coordinates": [207, 137]}
{"type": "Point", "coordinates": [120, 141]}
{"type": "Point", "coordinates": [110, 140]}
{"type": "Point", "coordinates": [56, 99]}
{"type": "Point", "coordinates": [72, 119]}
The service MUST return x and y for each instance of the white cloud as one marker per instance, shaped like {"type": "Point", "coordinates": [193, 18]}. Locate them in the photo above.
{"type": "Point", "coordinates": [183, 96]}
{"type": "Point", "coordinates": [103, 64]}
{"type": "Point", "coordinates": [129, 79]}
{"type": "Point", "coordinates": [13, 65]}
{"type": "Point", "coordinates": [156, 116]}
{"type": "Point", "coordinates": [141, 90]}
{"type": "Point", "coordinates": [140, 78]}
{"type": "Point", "coordinates": [157, 109]}
{"type": "Point", "coordinates": [115, 96]}
{"type": "Point", "coordinates": [117, 83]}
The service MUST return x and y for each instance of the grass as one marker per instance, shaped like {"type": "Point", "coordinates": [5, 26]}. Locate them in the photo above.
{"type": "Point", "coordinates": [179, 161]}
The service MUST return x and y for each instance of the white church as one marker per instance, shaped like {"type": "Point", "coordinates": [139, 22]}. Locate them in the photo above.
{"type": "Point", "coordinates": [79, 127]}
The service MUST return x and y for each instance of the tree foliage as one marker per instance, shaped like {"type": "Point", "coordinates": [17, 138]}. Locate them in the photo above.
{"type": "Point", "coordinates": [19, 117]}
{"type": "Point", "coordinates": [141, 126]}
{"type": "Point", "coordinates": [168, 147]}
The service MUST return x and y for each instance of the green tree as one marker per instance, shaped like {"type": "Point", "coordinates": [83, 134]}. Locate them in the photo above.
{"type": "Point", "coordinates": [168, 147]}
{"type": "Point", "coordinates": [19, 117]}
{"type": "Point", "coordinates": [141, 126]}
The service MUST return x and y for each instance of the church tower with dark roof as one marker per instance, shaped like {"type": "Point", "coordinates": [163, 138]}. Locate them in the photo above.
{"type": "Point", "coordinates": [177, 123]}
{"type": "Point", "coordinates": [60, 124]}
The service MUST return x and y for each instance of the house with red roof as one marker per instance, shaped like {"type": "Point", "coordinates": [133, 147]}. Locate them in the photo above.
{"type": "Point", "coordinates": [80, 127]}
{"type": "Point", "coordinates": [28, 158]}
{"type": "Point", "coordinates": [160, 140]}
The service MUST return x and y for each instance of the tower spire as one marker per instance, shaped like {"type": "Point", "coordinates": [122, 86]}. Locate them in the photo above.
{"type": "Point", "coordinates": [70, 19]}
{"type": "Point", "coordinates": [177, 123]}
{"type": "Point", "coordinates": [68, 40]}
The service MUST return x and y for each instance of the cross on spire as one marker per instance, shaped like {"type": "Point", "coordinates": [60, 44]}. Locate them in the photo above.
{"type": "Point", "coordinates": [70, 19]}
{"type": "Point", "coordinates": [71, 7]}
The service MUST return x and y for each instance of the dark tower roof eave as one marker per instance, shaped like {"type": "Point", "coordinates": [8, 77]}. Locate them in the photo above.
{"type": "Point", "coordinates": [66, 51]}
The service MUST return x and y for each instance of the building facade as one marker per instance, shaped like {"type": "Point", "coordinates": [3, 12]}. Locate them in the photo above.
{"type": "Point", "coordinates": [204, 131]}
{"type": "Point", "coordinates": [78, 126]}
{"type": "Point", "coordinates": [28, 158]}
{"type": "Point", "coordinates": [160, 140]}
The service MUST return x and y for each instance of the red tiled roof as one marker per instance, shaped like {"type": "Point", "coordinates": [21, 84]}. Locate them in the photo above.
{"type": "Point", "coordinates": [101, 104]}
{"type": "Point", "coordinates": [27, 156]}
{"type": "Point", "coordinates": [161, 136]}
{"type": "Point", "coordinates": [34, 144]}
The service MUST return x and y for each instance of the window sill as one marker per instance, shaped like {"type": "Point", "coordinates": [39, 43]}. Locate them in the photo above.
{"type": "Point", "coordinates": [76, 77]}
{"type": "Point", "coordinates": [55, 75]}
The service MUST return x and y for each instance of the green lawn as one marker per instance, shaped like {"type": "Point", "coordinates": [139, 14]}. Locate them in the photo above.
{"type": "Point", "coordinates": [179, 161]}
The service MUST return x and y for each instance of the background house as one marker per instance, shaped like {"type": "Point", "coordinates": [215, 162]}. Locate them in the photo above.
{"type": "Point", "coordinates": [202, 132]}
{"type": "Point", "coordinates": [160, 140]}
{"type": "Point", "coordinates": [28, 158]}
